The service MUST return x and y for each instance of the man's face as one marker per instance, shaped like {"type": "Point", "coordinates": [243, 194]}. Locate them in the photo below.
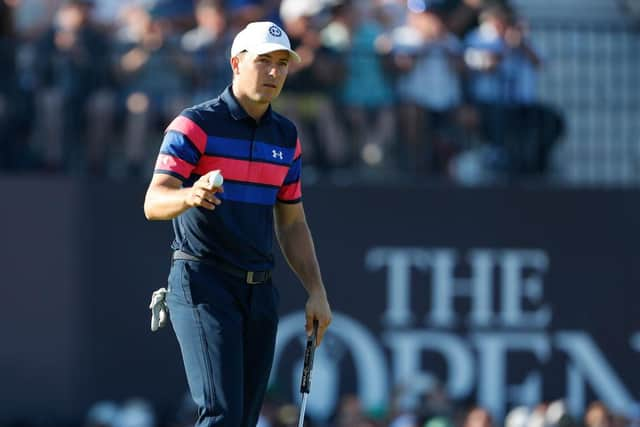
{"type": "Point", "coordinates": [71, 17]}
{"type": "Point", "coordinates": [260, 77]}
{"type": "Point", "coordinates": [500, 23]}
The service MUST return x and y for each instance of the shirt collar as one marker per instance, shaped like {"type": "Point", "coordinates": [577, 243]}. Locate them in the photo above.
{"type": "Point", "coordinates": [236, 110]}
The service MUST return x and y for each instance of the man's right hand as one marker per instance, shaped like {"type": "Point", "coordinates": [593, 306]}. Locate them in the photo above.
{"type": "Point", "coordinates": [166, 198]}
{"type": "Point", "coordinates": [202, 193]}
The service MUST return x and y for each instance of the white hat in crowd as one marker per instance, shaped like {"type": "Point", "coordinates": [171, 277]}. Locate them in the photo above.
{"type": "Point", "coordinates": [260, 38]}
{"type": "Point", "coordinates": [290, 10]}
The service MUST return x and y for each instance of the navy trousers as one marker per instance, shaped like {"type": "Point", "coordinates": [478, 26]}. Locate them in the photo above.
{"type": "Point", "coordinates": [226, 330]}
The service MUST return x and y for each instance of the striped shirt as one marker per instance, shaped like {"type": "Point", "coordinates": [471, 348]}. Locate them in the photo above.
{"type": "Point", "coordinates": [261, 166]}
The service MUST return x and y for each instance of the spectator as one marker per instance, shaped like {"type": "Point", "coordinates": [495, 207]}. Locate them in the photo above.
{"type": "Point", "coordinates": [517, 417]}
{"type": "Point", "coordinates": [437, 406]}
{"type": "Point", "coordinates": [135, 412]}
{"type": "Point", "coordinates": [485, 49]}
{"type": "Point", "coordinates": [463, 15]}
{"type": "Point", "coordinates": [597, 415]}
{"type": "Point", "coordinates": [208, 47]}
{"type": "Point", "coordinates": [152, 74]}
{"type": "Point", "coordinates": [427, 60]}
{"type": "Point", "coordinates": [349, 412]}
{"type": "Point", "coordinates": [307, 101]}
{"type": "Point", "coordinates": [438, 422]}
{"type": "Point", "coordinates": [403, 406]}
{"type": "Point", "coordinates": [287, 416]}
{"type": "Point", "coordinates": [73, 98]}
{"type": "Point", "coordinates": [365, 94]}
{"type": "Point", "coordinates": [538, 415]}
{"type": "Point", "coordinates": [15, 102]}
{"type": "Point", "coordinates": [179, 13]}
{"type": "Point", "coordinates": [540, 126]}
{"type": "Point", "coordinates": [478, 417]}
{"type": "Point", "coordinates": [502, 85]}
{"type": "Point", "coordinates": [390, 13]}
{"type": "Point", "coordinates": [242, 12]}
{"type": "Point", "coordinates": [102, 414]}
{"type": "Point", "coordinates": [33, 17]}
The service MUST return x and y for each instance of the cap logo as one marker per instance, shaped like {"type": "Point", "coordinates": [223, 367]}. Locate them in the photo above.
{"type": "Point", "coordinates": [275, 31]}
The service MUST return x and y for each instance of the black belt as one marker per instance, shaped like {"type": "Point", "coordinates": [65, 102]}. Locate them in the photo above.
{"type": "Point", "coordinates": [251, 277]}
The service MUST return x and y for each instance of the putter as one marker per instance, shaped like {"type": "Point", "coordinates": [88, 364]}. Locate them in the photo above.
{"type": "Point", "coordinates": [305, 384]}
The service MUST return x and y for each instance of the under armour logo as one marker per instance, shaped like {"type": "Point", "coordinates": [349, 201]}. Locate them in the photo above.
{"type": "Point", "coordinates": [277, 154]}
{"type": "Point", "coordinates": [275, 31]}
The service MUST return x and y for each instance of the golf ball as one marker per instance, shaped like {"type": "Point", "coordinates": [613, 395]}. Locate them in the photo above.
{"type": "Point", "coordinates": [216, 179]}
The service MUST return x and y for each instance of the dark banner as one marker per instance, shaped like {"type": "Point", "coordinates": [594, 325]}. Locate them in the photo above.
{"type": "Point", "coordinates": [503, 297]}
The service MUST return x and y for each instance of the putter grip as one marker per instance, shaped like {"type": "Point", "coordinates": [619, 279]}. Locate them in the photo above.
{"type": "Point", "coordinates": [309, 351]}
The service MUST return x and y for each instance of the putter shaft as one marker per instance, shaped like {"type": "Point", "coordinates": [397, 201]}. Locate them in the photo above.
{"type": "Point", "coordinates": [303, 407]}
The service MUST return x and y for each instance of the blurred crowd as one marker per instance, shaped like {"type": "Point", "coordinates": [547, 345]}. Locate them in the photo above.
{"type": "Point", "coordinates": [434, 409]}
{"type": "Point", "coordinates": [385, 88]}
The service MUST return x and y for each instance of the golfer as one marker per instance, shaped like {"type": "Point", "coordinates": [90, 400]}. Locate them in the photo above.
{"type": "Point", "coordinates": [221, 299]}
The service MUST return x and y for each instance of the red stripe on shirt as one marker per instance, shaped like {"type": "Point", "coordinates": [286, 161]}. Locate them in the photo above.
{"type": "Point", "coordinates": [188, 127]}
{"type": "Point", "coordinates": [243, 170]}
{"type": "Point", "coordinates": [167, 162]}
{"type": "Point", "coordinates": [291, 191]}
{"type": "Point", "coordinates": [298, 151]}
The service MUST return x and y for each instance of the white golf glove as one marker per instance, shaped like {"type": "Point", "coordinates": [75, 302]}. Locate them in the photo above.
{"type": "Point", "coordinates": [159, 309]}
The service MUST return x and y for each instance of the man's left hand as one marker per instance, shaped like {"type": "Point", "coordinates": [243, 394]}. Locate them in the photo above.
{"type": "Point", "coordinates": [317, 308]}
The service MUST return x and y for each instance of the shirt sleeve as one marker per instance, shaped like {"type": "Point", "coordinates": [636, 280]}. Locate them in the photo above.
{"type": "Point", "coordinates": [183, 144]}
{"type": "Point", "coordinates": [291, 190]}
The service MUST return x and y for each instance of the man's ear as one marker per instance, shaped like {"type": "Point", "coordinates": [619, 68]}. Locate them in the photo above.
{"type": "Point", "coordinates": [235, 64]}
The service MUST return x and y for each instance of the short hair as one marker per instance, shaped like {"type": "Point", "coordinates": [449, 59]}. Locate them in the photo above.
{"type": "Point", "coordinates": [496, 10]}
{"type": "Point", "coordinates": [211, 4]}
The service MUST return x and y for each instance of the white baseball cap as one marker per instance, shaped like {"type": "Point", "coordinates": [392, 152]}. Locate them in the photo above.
{"type": "Point", "coordinates": [260, 38]}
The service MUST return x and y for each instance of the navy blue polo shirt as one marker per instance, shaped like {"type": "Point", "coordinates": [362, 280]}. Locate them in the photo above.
{"type": "Point", "coordinates": [260, 163]}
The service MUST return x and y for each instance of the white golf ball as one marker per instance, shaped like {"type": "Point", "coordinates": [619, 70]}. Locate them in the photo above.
{"type": "Point", "coordinates": [216, 179]}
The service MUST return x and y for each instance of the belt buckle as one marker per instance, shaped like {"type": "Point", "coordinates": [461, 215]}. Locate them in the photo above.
{"type": "Point", "coordinates": [250, 279]}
